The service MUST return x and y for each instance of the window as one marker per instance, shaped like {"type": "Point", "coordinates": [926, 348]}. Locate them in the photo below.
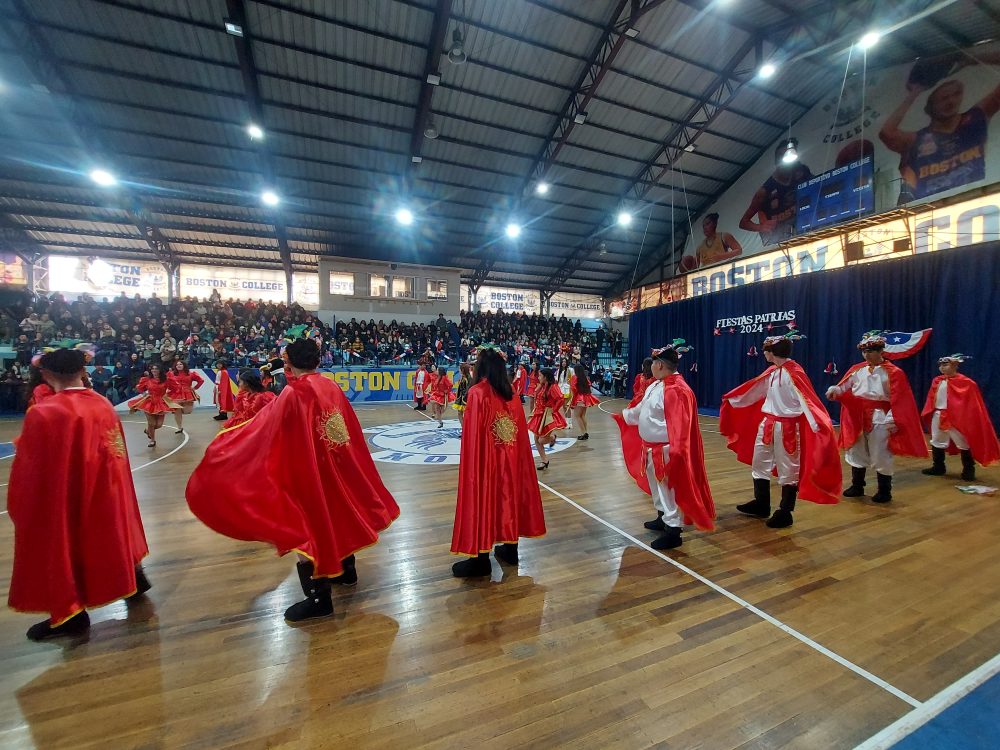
{"type": "Point", "coordinates": [437, 289]}
{"type": "Point", "coordinates": [402, 287]}
{"type": "Point", "coordinates": [342, 283]}
{"type": "Point", "coordinates": [379, 286]}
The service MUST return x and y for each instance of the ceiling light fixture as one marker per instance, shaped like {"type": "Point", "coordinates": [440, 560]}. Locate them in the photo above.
{"type": "Point", "coordinates": [624, 218]}
{"type": "Point", "coordinates": [233, 28]}
{"type": "Point", "coordinates": [270, 198]}
{"type": "Point", "coordinates": [580, 118]}
{"type": "Point", "coordinates": [255, 131]}
{"type": "Point", "coordinates": [542, 188]}
{"type": "Point", "coordinates": [513, 230]}
{"type": "Point", "coordinates": [103, 177]}
{"type": "Point", "coordinates": [456, 55]}
{"type": "Point", "coordinates": [631, 32]}
{"type": "Point", "coordinates": [869, 40]}
{"type": "Point", "coordinates": [431, 131]}
{"type": "Point", "coordinates": [404, 216]}
{"type": "Point", "coordinates": [791, 154]}
{"type": "Point", "coordinates": [767, 70]}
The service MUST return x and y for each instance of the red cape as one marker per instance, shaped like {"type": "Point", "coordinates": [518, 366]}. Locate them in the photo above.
{"type": "Point", "coordinates": [224, 397]}
{"type": "Point", "coordinates": [298, 476]}
{"type": "Point", "coordinates": [967, 412]}
{"type": "Point", "coordinates": [520, 379]}
{"type": "Point", "coordinates": [498, 497]}
{"type": "Point", "coordinates": [909, 437]}
{"type": "Point", "coordinates": [686, 456]}
{"type": "Point", "coordinates": [77, 531]}
{"type": "Point", "coordinates": [819, 469]}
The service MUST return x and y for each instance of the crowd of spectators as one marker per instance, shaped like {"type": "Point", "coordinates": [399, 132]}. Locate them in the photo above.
{"type": "Point", "coordinates": [130, 333]}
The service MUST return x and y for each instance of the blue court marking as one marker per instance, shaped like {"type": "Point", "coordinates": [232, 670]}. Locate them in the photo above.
{"type": "Point", "coordinates": [6, 450]}
{"type": "Point", "coordinates": [971, 723]}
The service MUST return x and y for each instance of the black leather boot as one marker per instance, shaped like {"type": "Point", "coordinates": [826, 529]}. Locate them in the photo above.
{"type": "Point", "coordinates": [760, 506]}
{"type": "Point", "coordinates": [857, 488]}
{"type": "Point", "coordinates": [76, 625]}
{"type": "Point", "coordinates": [937, 464]}
{"type": "Point", "coordinates": [884, 493]}
{"type": "Point", "coordinates": [669, 539]}
{"type": "Point", "coordinates": [474, 567]}
{"type": "Point", "coordinates": [142, 584]}
{"type": "Point", "coordinates": [317, 602]}
{"type": "Point", "coordinates": [656, 524]}
{"type": "Point", "coordinates": [350, 575]}
{"type": "Point", "coordinates": [782, 517]}
{"type": "Point", "coordinates": [968, 466]}
{"type": "Point", "coordinates": [506, 553]}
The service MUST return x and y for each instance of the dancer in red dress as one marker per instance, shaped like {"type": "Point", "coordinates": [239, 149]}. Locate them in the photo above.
{"type": "Point", "coordinates": [878, 418]}
{"type": "Point", "coordinates": [581, 399]}
{"type": "Point", "coordinates": [421, 387]}
{"type": "Point", "coordinates": [519, 381]}
{"type": "Point", "coordinates": [776, 423]}
{"type": "Point", "coordinates": [78, 537]}
{"type": "Point", "coordinates": [154, 402]}
{"type": "Point", "coordinates": [298, 476]}
{"type": "Point", "coordinates": [958, 420]}
{"type": "Point", "coordinates": [224, 397]}
{"type": "Point", "coordinates": [182, 387]}
{"type": "Point", "coordinates": [661, 443]}
{"type": "Point", "coordinates": [498, 497]}
{"type": "Point", "coordinates": [250, 399]}
{"type": "Point", "coordinates": [533, 385]}
{"type": "Point", "coordinates": [547, 416]}
{"type": "Point", "coordinates": [642, 381]}
{"type": "Point", "coordinates": [441, 395]}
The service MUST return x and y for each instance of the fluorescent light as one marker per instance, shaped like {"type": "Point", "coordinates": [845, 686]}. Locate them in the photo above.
{"type": "Point", "coordinates": [869, 40]}
{"type": "Point", "coordinates": [542, 188]}
{"type": "Point", "coordinates": [767, 70]}
{"type": "Point", "coordinates": [513, 230]}
{"type": "Point", "coordinates": [270, 198]}
{"type": "Point", "coordinates": [624, 218]}
{"type": "Point", "coordinates": [255, 131]}
{"type": "Point", "coordinates": [404, 216]}
{"type": "Point", "coordinates": [690, 148]}
{"type": "Point", "coordinates": [234, 28]}
{"type": "Point", "coordinates": [103, 177]}
{"type": "Point", "coordinates": [416, 159]}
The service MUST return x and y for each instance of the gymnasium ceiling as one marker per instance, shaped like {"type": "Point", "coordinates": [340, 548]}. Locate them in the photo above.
{"type": "Point", "coordinates": [159, 93]}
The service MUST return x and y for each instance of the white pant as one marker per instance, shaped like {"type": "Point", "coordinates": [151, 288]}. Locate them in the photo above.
{"type": "Point", "coordinates": [871, 450]}
{"type": "Point", "coordinates": [940, 438]}
{"type": "Point", "coordinates": [767, 457]}
{"type": "Point", "coordinates": [663, 496]}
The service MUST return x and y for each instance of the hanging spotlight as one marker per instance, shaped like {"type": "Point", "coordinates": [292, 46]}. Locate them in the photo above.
{"type": "Point", "coordinates": [404, 217]}
{"type": "Point", "coordinates": [869, 40]}
{"type": "Point", "coordinates": [431, 131]}
{"type": "Point", "coordinates": [767, 70]}
{"type": "Point", "coordinates": [270, 198]}
{"type": "Point", "coordinates": [456, 54]}
{"type": "Point", "coordinates": [542, 188]}
{"type": "Point", "coordinates": [513, 230]}
{"type": "Point", "coordinates": [255, 131]}
{"type": "Point", "coordinates": [791, 154]}
{"type": "Point", "coordinates": [103, 177]}
{"type": "Point", "coordinates": [624, 218]}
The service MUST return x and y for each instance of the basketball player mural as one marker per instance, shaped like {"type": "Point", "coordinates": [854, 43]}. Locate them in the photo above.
{"type": "Point", "coordinates": [717, 246]}
{"type": "Point", "coordinates": [771, 212]}
{"type": "Point", "coordinates": [950, 151]}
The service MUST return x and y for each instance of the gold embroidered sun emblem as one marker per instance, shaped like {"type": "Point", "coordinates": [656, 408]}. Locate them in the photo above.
{"type": "Point", "coordinates": [115, 442]}
{"type": "Point", "coordinates": [504, 429]}
{"type": "Point", "coordinates": [333, 429]}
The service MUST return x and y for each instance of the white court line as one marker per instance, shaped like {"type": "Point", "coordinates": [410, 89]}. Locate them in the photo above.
{"type": "Point", "coordinates": [874, 679]}
{"type": "Point", "coordinates": [143, 466]}
{"type": "Point", "coordinates": [909, 723]}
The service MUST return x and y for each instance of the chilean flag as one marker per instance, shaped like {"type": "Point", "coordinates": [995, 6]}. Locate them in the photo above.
{"type": "Point", "coordinates": [900, 345]}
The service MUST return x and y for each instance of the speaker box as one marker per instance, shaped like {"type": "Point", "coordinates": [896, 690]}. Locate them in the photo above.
{"type": "Point", "coordinates": [901, 246]}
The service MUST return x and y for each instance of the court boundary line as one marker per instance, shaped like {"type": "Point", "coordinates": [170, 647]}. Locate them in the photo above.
{"type": "Point", "coordinates": [910, 722]}
{"type": "Point", "coordinates": [801, 637]}
{"type": "Point", "coordinates": [184, 442]}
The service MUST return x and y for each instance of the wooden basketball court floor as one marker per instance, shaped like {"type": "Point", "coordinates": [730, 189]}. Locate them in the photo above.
{"type": "Point", "coordinates": [818, 636]}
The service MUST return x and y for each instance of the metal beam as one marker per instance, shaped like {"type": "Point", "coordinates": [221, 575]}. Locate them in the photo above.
{"type": "Point", "coordinates": [432, 64]}
{"type": "Point", "coordinates": [34, 48]}
{"type": "Point", "coordinates": [248, 69]}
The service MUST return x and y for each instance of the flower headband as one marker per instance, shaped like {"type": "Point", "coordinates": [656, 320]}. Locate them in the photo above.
{"type": "Point", "coordinates": [88, 349]}
{"type": "Point", "coordinates": [872, 340]}
{"type": "Point", "coordinates": [678, 345]}
{"type": "Point", "coordinates": [956, 358]}
{"type": "Point", "coordinates": [492, 347]}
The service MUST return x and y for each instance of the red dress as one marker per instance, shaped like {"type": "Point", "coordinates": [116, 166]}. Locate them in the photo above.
{"type": "Point", "coordinates": [547, 415]}
{"type": "Point", "coordinates": [182, 386]}
{"type": "Point", "coordinates": [441, 390]}
{"type": "Point", "coordinates": [580, 399]}
{"type": "Point", "coordinates": [248, 403]}
{"type": "Point", "coordinates": [154, 399]}
{"type": "Point", "coordinates": [299, 476]}
{"type": "Point", "coordinates": [498, 496]}
{"type": "Point", "coordinates": [77, 531]}
{"type": "Point", "coordinates": [532, 384]}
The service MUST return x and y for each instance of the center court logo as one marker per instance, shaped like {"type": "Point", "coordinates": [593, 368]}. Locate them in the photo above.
{"type": "Point", "coordinates": [424, 443]}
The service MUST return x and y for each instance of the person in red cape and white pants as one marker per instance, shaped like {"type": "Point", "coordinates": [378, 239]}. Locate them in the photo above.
{"type": "Point", "coordinates": [959, 421]}
{"type": "Point", "coordinates": [776, 423]}
{"type": "Point", "coordinates": [661, 442]}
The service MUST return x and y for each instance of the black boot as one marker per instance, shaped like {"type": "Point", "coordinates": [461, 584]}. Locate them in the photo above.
{"type": "Point", "coordinates": [657, 523]}
{"type": "Point", "coordinates": [317, 602]}
{"type": "Point", "coordinates": [937, 466]}
{"type": "Point", "coordinates": [142, 584]}
{"type": "Point", "coordinates": [220, 417]}
{"type": "Point", "coordinates": [857, 488]}
{"type": "Point", "coordinates": [884, 493]}
{"type": "Point", "coordinates": [782, 517]}
{"type": "Point", "coordinates": [474, 567]}
{"type": "Point", "coordinates": [76, 625]}
{"type": "Point", "coordinates": [760, 506]}
{"type": "Point", "coordinates": [506, 553]}
{"type": "Point", "coordinates": [350, 575]}
{"type": "Point", "coordinates": [669, 539]}
{"type": "Point", "coordinates": [968, 466]}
